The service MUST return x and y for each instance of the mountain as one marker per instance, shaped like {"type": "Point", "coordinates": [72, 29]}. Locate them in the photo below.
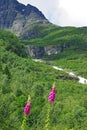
{"type": "Point", "coordinates": [19, 18]}
{"type": "Point", "coordinates": [59, 47]}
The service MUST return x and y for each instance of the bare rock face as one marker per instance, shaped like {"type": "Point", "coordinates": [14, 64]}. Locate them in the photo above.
{"type": "Point", "coordinates": [7, 13]}
{"type": "Point", "coordinates": [49, 50]}
{"type": "Point", "coordinates": [17, 17]}
{"type": "Point", "coordinates": [36, 52]}
{"type": "Point", "coordinates": [39, 52]}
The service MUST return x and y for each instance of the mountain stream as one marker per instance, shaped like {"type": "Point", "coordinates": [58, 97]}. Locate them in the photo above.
{"type": "Point", "coordinates": [81, 80]}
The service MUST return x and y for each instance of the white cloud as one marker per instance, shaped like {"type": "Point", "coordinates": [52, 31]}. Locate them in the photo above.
{"type": "Point", "coordinates": [62, 12]}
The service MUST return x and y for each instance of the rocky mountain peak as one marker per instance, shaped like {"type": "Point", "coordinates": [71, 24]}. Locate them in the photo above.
{"type": "Point", "coordinates": [17, 17]}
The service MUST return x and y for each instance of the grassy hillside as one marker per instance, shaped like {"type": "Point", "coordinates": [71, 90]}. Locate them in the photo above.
{"type": "Point", "coordinates": [74, 56]}
{"type": "Point", "coordinates": [75, 61]}
{"type": "Point", "coordinates": [21, 76]}
{"type": "Point", "coordinates": [11, 43]}
{"type": "Point", "coordinates": [54, 35]}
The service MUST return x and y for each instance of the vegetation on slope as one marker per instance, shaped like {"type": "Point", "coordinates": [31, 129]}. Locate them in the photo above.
{"type": "Point", "coordinates": [20, 77]}
{"type": "Point", "coordinates": [54, 35]}
{"type": "Point", "coordinates": [11, 43]}
{"type": "Point", "coordinates": [74, 41]}
{"type": "Point", "coordinates": [71, 60]}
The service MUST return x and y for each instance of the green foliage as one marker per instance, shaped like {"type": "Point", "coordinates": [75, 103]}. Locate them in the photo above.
{"type": "Point", "coordinates": [20, 77]}
{"type": "Point", "coordinates": [36, 79]}
{"type": "Point", "coordinates": [11, 43]}
{"type": "Point", "coordinates": [54, 35]}
{"type": "Point", "coordinates": [6, 37]}
{"type": "Point", "coordinates": [71, 60]}
{"type": "Point", "coordinates": [74, 40]}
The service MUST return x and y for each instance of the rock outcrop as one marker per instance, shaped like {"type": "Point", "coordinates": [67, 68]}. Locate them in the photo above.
{"type": "Point", "coordinates": [17, 17]}
{"type": "Point", "coordinates": [39, 52]}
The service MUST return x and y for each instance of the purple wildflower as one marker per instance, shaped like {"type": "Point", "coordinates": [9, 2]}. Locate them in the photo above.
{"type": "Point", "coordinates": [52, 94]}
{"type": "Point", "coordinates": [27, 108]}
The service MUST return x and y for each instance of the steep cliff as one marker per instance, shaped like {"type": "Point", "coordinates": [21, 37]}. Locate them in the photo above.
{"type": "Point", "coordinates": [19, 18]}
{"type": "Point", "coordinates": [39, 52]}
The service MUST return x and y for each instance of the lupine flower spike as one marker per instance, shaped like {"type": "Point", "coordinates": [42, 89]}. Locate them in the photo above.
{"type": "Point", "coordinates": [26, 113]}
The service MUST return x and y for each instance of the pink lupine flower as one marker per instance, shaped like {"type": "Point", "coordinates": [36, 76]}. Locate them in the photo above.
{"type": "Point", "coordinates": [52, 94]}
{"type": "Point", "coordinates": [27, 108]}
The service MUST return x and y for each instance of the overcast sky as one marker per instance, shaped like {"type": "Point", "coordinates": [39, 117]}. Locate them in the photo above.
{"type": "Point", "coordinates": [62, 12]}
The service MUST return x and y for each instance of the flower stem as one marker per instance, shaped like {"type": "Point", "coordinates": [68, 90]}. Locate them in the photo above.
{"type": "Point", "coordinates": [47, 121]}
{"type": "Point", "coordinates": [23, 126]}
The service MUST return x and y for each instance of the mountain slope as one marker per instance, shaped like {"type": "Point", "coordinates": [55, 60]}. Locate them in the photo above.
{"type": "Point", "coordinates": [17, 17]}
{"type": "Point", "coordinates": [73, 42]}
{"type": "Point", "coordinates": [20, 77]}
